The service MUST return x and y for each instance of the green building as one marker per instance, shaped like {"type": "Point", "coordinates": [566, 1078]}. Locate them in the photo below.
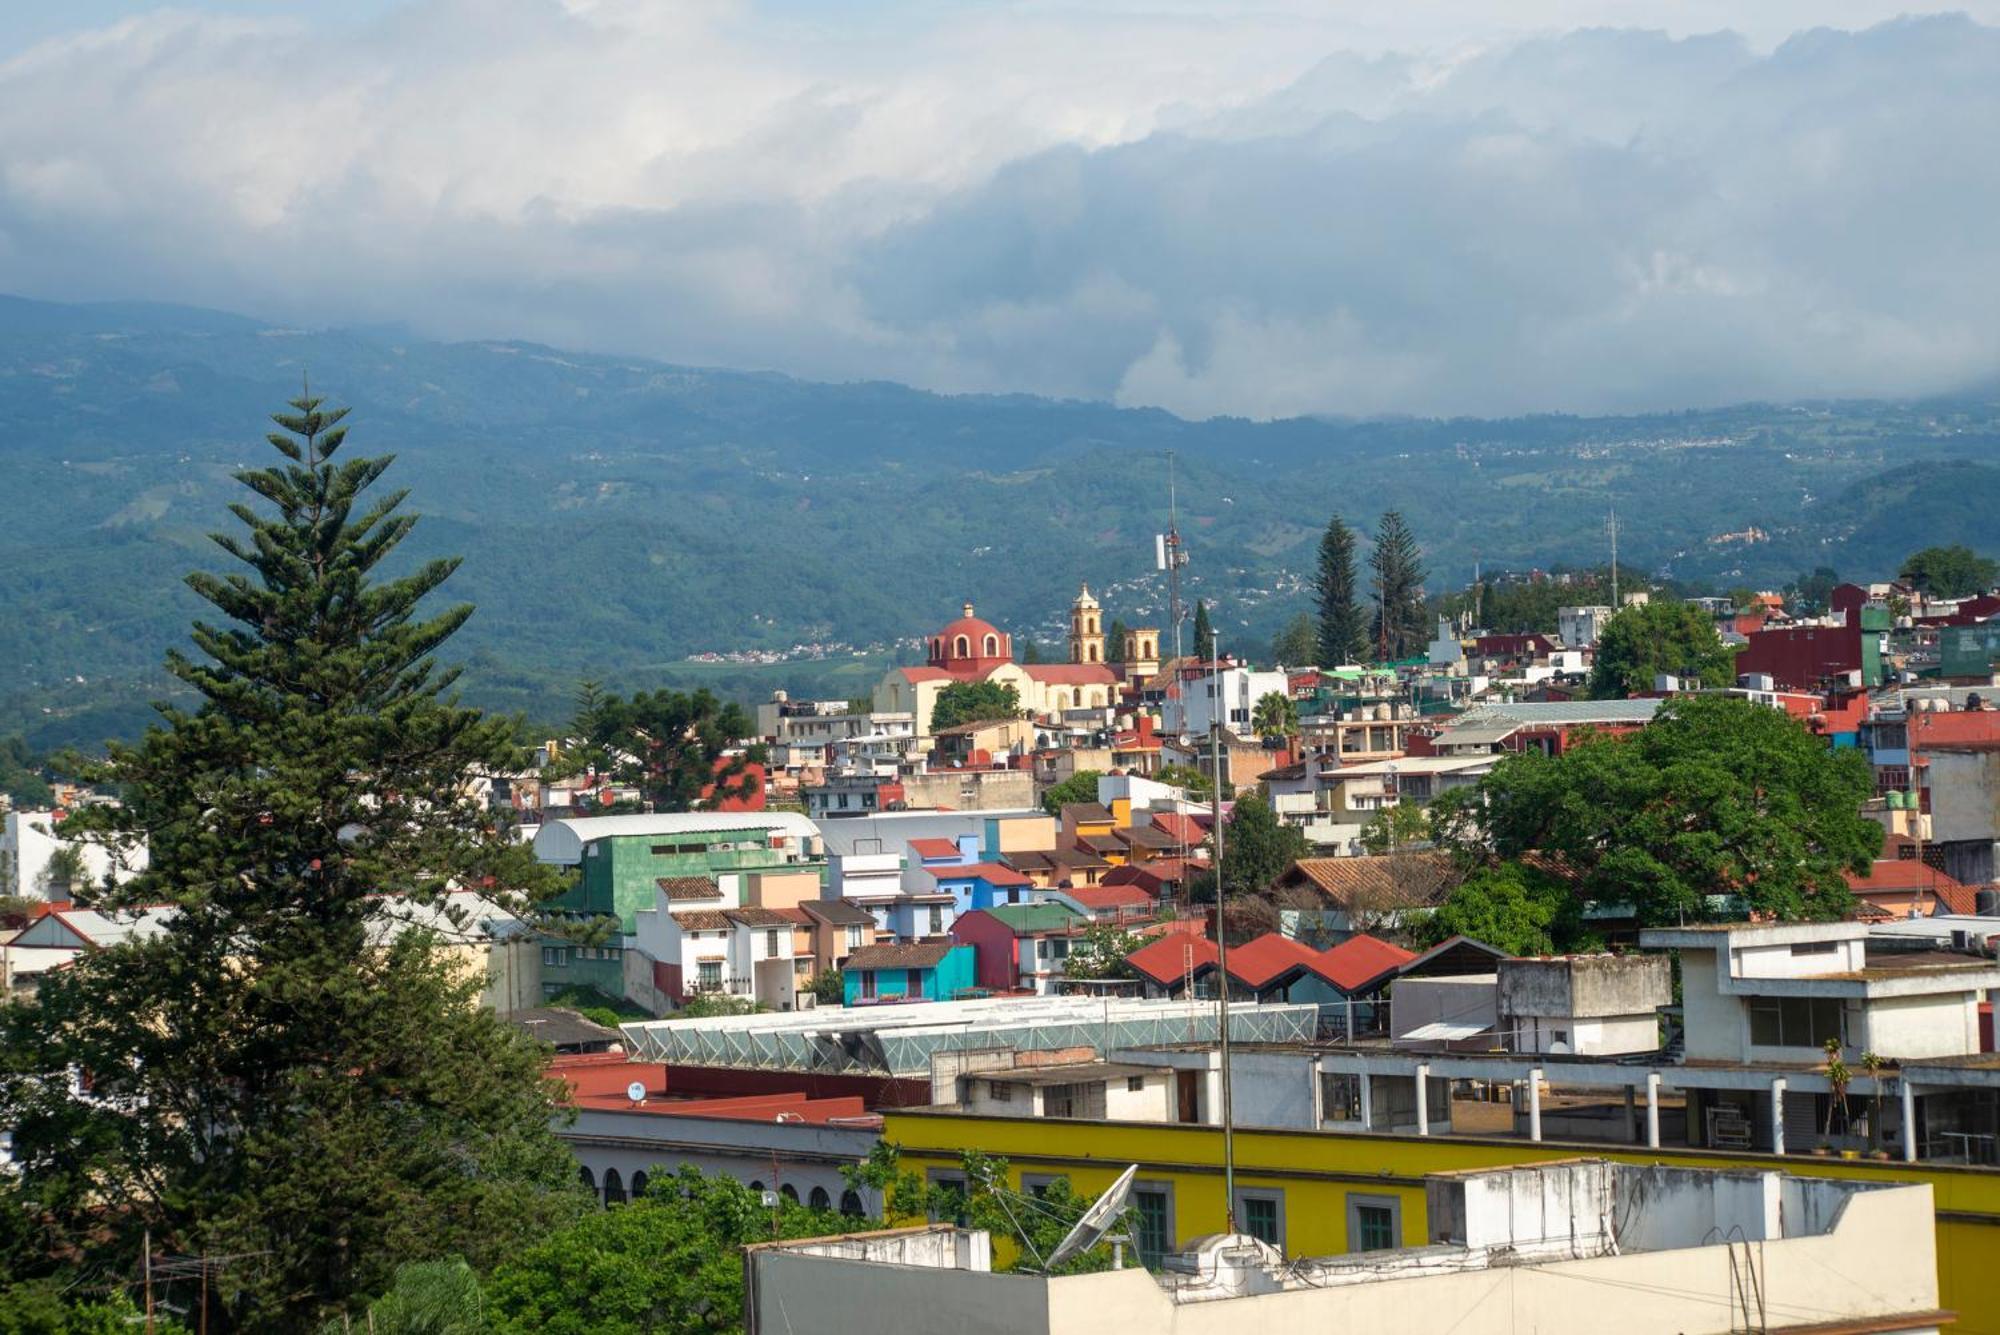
{"type": "Point", "coordinates": [625, 860]}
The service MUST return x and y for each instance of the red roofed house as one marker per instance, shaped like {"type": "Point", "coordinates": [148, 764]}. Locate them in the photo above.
{"type": "Point", "coordinates": [1907, 888]}
{"type": "Point", "coordinates": [1106, 903]}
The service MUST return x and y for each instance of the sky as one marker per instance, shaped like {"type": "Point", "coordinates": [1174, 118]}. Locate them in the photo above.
{"type": "Point", "coordinates": [1263, 208]}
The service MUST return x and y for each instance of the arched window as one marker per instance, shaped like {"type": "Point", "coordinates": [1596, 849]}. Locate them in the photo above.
{"type": "Point", "coordinates": [961, 647]}
{"type": "Point", "coordinates": [937, 648]}
{"type": "Point", "coordinates": [992, 649]}
{"type": "Point", "coordinates": [850, 1204]}
{"type": "Point", "coordinates": [614, 1187]}
{"type": "Point", "coordinates": [756, 1186]}
{"type": "Point", "coordinates": [583, 1176]}
{"type": "Point", "coordinates": [819, 1200]}
{"type": "Point", "coordinates": [1090, 654]}
{"type": "Point", "coordinates": [1061, 700]}
{"type": "Point", "coordinates": [639, 1185]}
{"type": "Point", "coordinates": [789, 1192]}
{"type": "Point", "coordinates": [1093, 625]}
{"type": "Point", "coordinates": [1097, 699]}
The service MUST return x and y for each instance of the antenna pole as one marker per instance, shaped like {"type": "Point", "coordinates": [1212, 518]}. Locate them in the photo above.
{"type": "Point", "coordinates": [1221, 943]}
{"type": "Point", "coordinates": [1613, 526]}
{"type": "Point", "coordinates": [1175, 559]}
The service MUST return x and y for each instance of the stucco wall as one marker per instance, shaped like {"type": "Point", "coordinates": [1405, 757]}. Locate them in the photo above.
{"type": "Point", "coordinates": [1938, 1026]}
{"type": "Point", "coordinates": [1715, 1024]}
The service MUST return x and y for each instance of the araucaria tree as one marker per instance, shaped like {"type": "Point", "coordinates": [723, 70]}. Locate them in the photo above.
{"type": "Point", "coordinates": [1399, 588]}
{"type": "Point", "coordinates": [1343, 626]}
{"type": "Point", "coordinates": [294, 1070]}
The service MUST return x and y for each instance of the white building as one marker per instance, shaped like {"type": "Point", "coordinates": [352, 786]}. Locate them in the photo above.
{"type": "Point", "coordinates": [1231, 693]}
{"type": "Point", "coordinates": [1567, 1248]}
{"type": "Point", "coordinates": [29, 843]}
{"type": "Point", "coordinates": [1580, 627]}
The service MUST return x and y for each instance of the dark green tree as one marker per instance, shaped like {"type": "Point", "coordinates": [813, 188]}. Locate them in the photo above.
{"type": "Point", "coordinates": [21, 774]}
{"type": "Point", "coordinates": [974, 702]}
{"type": "Point", "coordinates": [1078, 787]}
{"type": "Point", "coordinates": [1204, 632]}
{"type": "Point", "coordinates": [1717, 807]}
{"type": "Point", "coordinates": [1114, 643]}
{"type": "Point", "coordinates": [1343, 624]}
{"type": "Point", "coordinates": [1275, 716]}
{"type": "Point", "coordinates": [1257, 848]}
{"type": "Point", "coordinates": [1297, 644]}
{"type": "Point", "coordinates": [1950, 572]}
{"type": "Point", "coordinates": [1813, 593]}
{"type": "Point", "coordinates": [1399, 628]}
{"type": "Point", "coordinates": [294, 1066]}
{"type": "Point", "coordinates": [676, 744]}
{"type": "Point", "coordinates": [1100, 952]}
{"type": "Point", "coordinates": [1520, 909]}
{"type": "Point", "coordinates": [1645, 640]}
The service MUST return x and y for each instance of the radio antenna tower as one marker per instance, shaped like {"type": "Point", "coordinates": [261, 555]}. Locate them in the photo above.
{"type": "Point", "coordinates": [1170, 555]}
{"type": "Point", "coordinates": [1611, 527]}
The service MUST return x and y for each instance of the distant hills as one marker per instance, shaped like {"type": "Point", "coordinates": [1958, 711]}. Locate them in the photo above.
{"type": "Point", "coordinates": [616, 515]}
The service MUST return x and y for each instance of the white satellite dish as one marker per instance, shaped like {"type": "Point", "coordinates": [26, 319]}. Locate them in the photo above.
{"type": "Point", "coordinates": [636, 1091]}
{"type": "Point", "coordinates": [1101, 1215]}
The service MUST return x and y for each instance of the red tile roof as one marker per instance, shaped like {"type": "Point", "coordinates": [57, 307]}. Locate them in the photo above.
{"type": "Point", "coordinates": [1165, 960]}
{"type": "Point", "coordinates": [1359, 961]}
{"type": "Point", "coordinates": [1896, 883]}
{"type": "Point", "coordinates": [1263, 960]}
{"type": "Point", "coordinates": [1956, 727]}
{"type": "Point", "coordinates": [993, 873]}
{"type": "Point", "coordinates": [681, 889]}
{"type": "Point", "coordinates": [934, 848]}
{"type": "Point", "coordinates": [1070, 674]}
{"type": "Point", "coordinates": [1181, 827]}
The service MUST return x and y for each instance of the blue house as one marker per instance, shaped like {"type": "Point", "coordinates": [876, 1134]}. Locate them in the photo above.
{"type": "Point", "coordinates": [893, 973]}
{"type": "Point", "coordinates": [982, 885]}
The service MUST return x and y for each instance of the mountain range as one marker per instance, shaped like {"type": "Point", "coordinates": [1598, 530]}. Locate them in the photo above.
{"type": "Point", "coordinates": [616, 515]}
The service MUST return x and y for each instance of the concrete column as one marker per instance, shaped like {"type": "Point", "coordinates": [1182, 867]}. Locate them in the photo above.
{"type": "Point", "coordinates": [1653, 1110]}
{"type": "Point", "coordinates": [1631, 1116]}
{"type": "Point", "coordinates": [1367, 1102]}
{"type": "Point", "coordinates": [1423, 1100]}
{"type": "Point", "coordinates": [1778, 1116]}
{"type": "Point", "coordinates": [1535, 1104]}
{"type": "Point", "coordinates": [1909, 1119]}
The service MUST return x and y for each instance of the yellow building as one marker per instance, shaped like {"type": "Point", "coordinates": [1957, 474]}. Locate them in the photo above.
{"type": "Point", "coordinates": [970, 649]}
{"type": "Point", "coordinates": [1338, 1192]}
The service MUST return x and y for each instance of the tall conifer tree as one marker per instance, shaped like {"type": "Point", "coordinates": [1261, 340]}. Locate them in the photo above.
{"type": "Point", "coordinates": [1399, 588]}
{"type": "Point", "coordinates": [1203, 632]}
{"type": "Point", "coordinates": [292, 1067]}
{"type": "Point", "coordinates": [1343, 626]}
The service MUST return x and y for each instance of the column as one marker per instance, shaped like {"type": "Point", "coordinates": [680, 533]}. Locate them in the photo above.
{"type": "Point", "coordinates": [1909, 1119]}
{"type": "Point", "coordinates": [1423, 1099]}
{"type": "Point", "coordinates": [1778, 1116]}
{"type": "Point", "coordinates": [1367, 1102]}
{"type": "Point", "coordinates": [1535, 1104]}
{"type": "Point", "coordinates": [1653, 1110]}
{"type": "Point", "coordinates": [1631, 1116]}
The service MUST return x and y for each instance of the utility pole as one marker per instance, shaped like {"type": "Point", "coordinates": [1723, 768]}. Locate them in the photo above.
{"type": "Point", "coordinates": [1612, 526]}
{"type": "Point", "coordinates": [147, 1264]}
{"type": "Point", "coordinates": [1221, 944]}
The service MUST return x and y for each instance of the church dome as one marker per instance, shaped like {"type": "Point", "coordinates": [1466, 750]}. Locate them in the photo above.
{"type": "Point", "coordinates": [970, 640]}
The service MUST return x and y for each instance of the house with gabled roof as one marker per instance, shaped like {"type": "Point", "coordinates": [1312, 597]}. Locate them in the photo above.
{"type": "Point", "coordinates": [1020, 947]}
{"type": "Point", "coordinates": [903, 972]}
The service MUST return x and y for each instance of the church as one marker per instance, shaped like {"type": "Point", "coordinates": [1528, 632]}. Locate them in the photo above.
{"type": "Point", "coordinates": [971, 649]}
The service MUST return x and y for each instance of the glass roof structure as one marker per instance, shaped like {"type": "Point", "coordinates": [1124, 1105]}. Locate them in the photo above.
{"type": "Point", "coordinates": [900, 1040]}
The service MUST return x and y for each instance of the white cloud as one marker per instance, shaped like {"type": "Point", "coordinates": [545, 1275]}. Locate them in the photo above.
{"type": "Point", "coordinates": [1276, 209]}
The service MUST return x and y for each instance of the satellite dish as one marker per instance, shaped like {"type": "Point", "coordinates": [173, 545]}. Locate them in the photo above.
{"type": "Point", "coordinates": [1103, 1212]}
{"type": "Point", "coordinates": [636, 1091]}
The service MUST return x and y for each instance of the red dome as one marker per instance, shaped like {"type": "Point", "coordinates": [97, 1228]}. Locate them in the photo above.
{"type": "Point", "coordinates": [970, 639]}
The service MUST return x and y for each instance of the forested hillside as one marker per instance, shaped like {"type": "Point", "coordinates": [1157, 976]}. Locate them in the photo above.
{"type": "Point", "coordinates": [616, 515]}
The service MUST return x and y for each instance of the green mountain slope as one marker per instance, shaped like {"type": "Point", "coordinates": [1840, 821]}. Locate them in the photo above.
{"type": "Point", "coordinates": [617, 515]}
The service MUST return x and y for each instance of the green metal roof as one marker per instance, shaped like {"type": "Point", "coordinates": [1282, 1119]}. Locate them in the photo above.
{"type": "Point", "coordinates": [1026, 918]}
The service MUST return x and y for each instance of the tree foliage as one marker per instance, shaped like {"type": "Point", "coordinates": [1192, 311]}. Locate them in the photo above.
{"type": "Point", "coordinates": [1114, 642]}
{"type": "Point", "coordinates": [1100, 952]}
{"type": "Point", "coordinates": [1275, 715]}
{"type": "Point", "coordinates": [1718, 806]}
{"type": "Point", "coordinates": [974, 702]}
{"type": "Point", "coordinates": [1297, 644]}
{"type": "Point", "coordinates": [1645, 640]}
{"type": "Point", "coordinates": [1343, 626]}
{"type": "Point", "coordinates": [278, 1071]}
{"type": "Point", "coordinates": [1812, 593]}
{"type": "Point", "coordinates": [672, 744]}
{"type": "Point", "coordinates": [1078, 787]}
{"type": "Point", "coordinates": [23, 774]}
{"type": "Point", "coordinates": [1257, 848]}
{"type": "Point", "coordinates": [1394, 829]}
{"type": "Point", "coordinates": [1400, 627]}
{"type": "Point", "coordinates": [1204, 631]}
{"type": "Point", "coordinates": [1520, 909]}
{"type": "Point", "coordinates": [1950, 572]}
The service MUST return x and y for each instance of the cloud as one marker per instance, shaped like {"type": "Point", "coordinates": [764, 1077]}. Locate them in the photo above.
{"type": "Point", "coordinates": [1216, 210]}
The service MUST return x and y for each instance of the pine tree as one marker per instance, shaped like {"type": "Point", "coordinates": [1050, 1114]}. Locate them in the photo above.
{"type": "Point", "coordinates": [1342, 624]}
{"type": "Point", "coordinates": [1399, 588]}
{"type": "Point", "coordinates": [1114, 645]}
{"type": "Point", "coordinates": [1203, 632]}
{"type": "Point", "coordinates": [294, 1067]}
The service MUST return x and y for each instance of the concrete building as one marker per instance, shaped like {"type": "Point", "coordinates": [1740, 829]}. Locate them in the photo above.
{"type": "Point", "coordinates": [1591, 1005]}
{"type": "Point", "coordinates": [624, 858]}
{"type": "Point", "coordinates": [1230, 694]}
{"type": "Point", "coordinates": [1550, 1248]}
{"type": "Point", "coordinates": [32, 861]}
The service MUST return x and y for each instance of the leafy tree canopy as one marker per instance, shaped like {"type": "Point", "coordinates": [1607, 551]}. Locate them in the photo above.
{"type": "Point", "coordinates": [1297, 644]}
{"type": "Point", "coordinates": [1520, 909]}
{"type": "Point", "coordinates": [1394, 829]}
{"type": "Point", "coordinates": [1716, 806]}
{"type": "Point", "coordinates": [1100, 952]}
{"type": "Point", "coordinates": [1950, 572]}
{"type": "Point", "coordinates": [1078, 787]}
{"type": "Point", "coordinates": [974, 702]}
{"type": "Point", "coordinates": [1645, 640]}
{"type": "Point", "coordinates": [1257, 848]}
{"type": "Point", "coordinates": [1401, 619]}
{"type": "Point", "coordinates": [1190, 780]}
{"type": "Point", "coordinates": [672, 744]}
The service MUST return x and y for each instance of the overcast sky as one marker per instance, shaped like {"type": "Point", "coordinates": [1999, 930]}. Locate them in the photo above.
{"type": "Point", "coordinates": [1433, 206]}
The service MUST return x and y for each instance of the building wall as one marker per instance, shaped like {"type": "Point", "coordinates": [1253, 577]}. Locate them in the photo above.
{"type": "Point", "coordinates": [806, 1156]}
{"type": "Point", "coordinates": [1318, 1171]}
{"type": "Point", "coordinates": [994, 945]}
{"type": "Point", "coordinates": [1714, 1023]}
{"type": "Point", "coordinates": [621, 873]}
{"type": "Point", "coordinates": [1965, 795]}
{"type": "Point", "coordinates": [1153, 1101]}
{"type": "Point", "coordinates": [971, 790]}
{"type": "Point", "coordinates": [1907, 1027]}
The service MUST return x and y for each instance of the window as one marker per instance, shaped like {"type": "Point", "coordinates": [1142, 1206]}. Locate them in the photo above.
{"type": "Point", "coordinates": [555, 957]}
{"type": "Point", "coordinates": [937, 919]}
{"type": "Point", "coordinates": [708, 973]}
{"type": "Point", "coordinates": [854, 938]}
{"type": "Point", "coordinates": [1814, 947]}
{"type": "Point", "coordinates": [1038, 1184]}
{"type": "Point", "coordinates": [850, 1204]}
{"type": "Point", "coordinates": [1796, 1022]}
{"type": "Point", "coordinates": [639, 1185]}
{"type": "Point", "coordinates": [952, 1208]}
{"type": "Point", "coordinates": [819, 1200]}
{"type": "Point", "coordinates": [1340, 1097]}
{"type": "Point", "coordinates": [771, 944]}
{"type": "Point", "coordinates": [1135, 1083]}
{"type": "Point", "coordinates": [913, 982]}
{"type": "Point", "coordinates": [614, 1187]}
{"type": "Point", "coordinates": [868, 985]}
{"type": "Point", "coordinates": [1153, 1202]}
{"type": "Point", "coordinates": [1261, 1214]}
{"type": "Point", "coordinates": [789, 1192]}
{"type": "Point", "coordinates": [1374, 1223]}
{"type": "Point", "coordinates": [1058, 947]}
{"type": "Point", "coordinates": [583, 1176]}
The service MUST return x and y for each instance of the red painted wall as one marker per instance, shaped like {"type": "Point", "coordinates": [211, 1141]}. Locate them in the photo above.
{"type": "Point", "coordinates": [996, 950]}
